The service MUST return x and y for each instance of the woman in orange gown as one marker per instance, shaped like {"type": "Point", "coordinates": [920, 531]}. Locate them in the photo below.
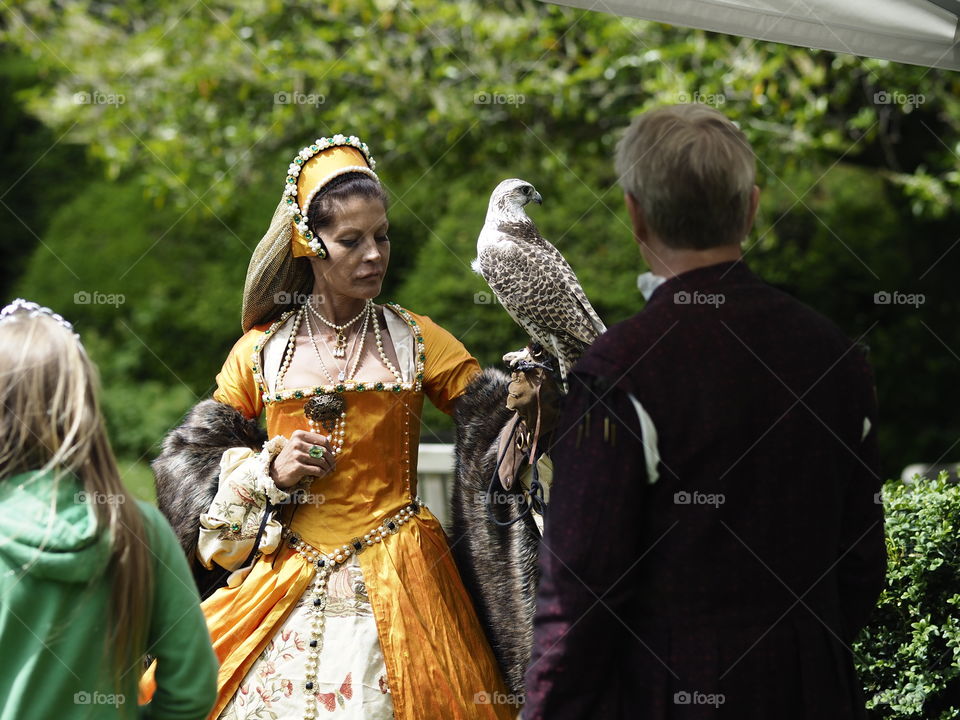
{"type": "Point", "coordinates": [354, 608]}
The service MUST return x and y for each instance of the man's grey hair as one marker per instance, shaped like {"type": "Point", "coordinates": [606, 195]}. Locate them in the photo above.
{"type": "Point", "coordinates": [692, 172]}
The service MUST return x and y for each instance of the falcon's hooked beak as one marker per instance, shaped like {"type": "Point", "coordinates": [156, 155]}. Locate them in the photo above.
{"type": "Point", "coordinates": [537, 198]}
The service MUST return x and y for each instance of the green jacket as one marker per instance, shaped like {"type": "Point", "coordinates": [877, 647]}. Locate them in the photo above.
{"type": "Point", "coordinates": [54, 612]}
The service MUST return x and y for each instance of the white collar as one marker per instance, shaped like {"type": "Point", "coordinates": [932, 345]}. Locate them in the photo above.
{"type": "Point", "coordinates": [648, 282]}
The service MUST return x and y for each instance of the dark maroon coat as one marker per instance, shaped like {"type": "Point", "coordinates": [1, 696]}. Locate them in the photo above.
{"type": "Point", "coordinates": [732, 586]}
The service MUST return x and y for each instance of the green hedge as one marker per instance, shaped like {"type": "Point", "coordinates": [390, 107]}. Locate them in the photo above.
{"type": "Point", "coordinates": [909, 655]}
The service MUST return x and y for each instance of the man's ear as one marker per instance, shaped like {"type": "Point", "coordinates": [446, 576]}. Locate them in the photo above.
{"type": "Point", "coordinates": [637, 218]}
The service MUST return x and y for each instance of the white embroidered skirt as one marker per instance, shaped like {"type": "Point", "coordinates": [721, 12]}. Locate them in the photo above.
{"type": "Point", "coordinates": [351, 674]}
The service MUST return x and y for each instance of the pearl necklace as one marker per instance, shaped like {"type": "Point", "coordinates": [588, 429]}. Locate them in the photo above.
{"type": "Point", "coordinates": [341, 349]}
{"type": "Point", "coordinates": [291, 346]}
{"type": "Point", "coordinates": [383, 355]}
{"type": "Point", "coordinates": [332, 416]}
{"type": "Point", "coordinates": [357, 352]}
{"type": "Point", "coordinates": [328, 411]}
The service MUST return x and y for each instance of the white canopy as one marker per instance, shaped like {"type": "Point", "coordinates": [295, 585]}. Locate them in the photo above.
{"type": "Point", "coordinates": [920, 32]}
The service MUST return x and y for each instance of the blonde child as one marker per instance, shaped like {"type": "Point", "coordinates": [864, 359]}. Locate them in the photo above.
{"type": "Point", "coordinates": [90, 580]}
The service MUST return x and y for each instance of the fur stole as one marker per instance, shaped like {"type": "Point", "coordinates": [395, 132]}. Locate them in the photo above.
{"type": "Point", "coordinates": [498, 565]}
{"type": "Point", "coordinates": [187, 474]}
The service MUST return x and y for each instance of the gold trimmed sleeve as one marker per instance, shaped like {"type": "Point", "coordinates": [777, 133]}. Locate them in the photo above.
{"type": "Point", "coordinates": [236, 385]}
{"type": "Point", "coordinates": [448, 368]}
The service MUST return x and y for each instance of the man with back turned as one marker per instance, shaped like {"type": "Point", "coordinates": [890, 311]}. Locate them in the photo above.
{"type": "Point", "coordinates": [714, 540]}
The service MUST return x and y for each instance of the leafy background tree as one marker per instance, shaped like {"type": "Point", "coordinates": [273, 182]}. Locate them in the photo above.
{"type": "Point", "coordinates": [144, 148]}
{"type": "Point", "coordinates": [146, 145]}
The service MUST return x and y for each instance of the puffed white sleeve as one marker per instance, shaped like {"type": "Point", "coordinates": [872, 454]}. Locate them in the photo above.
{"type": "Point", "coordinates": [230, 526]}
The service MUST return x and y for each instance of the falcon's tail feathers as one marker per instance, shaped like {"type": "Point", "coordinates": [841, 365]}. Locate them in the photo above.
{"type": "Point", "coordinates": [597, 322]}
{"type": "Point", "coordinates": [561, 362]}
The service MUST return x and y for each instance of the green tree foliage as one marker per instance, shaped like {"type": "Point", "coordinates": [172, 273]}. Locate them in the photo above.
{"type": "Point", "coordinates": [28, 150]}
{"type": "Point", "coordinates": [909, 656]}
{"type": "Point", "coordinates": [192, 112]}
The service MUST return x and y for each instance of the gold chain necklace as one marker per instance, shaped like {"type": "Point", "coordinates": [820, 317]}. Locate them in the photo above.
{"type": "Point", "coordinates": [341, 349]}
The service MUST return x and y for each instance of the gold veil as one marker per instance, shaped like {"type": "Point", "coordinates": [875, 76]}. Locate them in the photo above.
{"type": "Point", "coordinates": [276, 280]}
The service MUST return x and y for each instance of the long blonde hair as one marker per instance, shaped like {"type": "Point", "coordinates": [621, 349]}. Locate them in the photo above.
{"type": "Point", "coordinates": [51, 421]}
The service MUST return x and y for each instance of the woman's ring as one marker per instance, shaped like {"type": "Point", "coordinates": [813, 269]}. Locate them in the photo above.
{"type": "Point", "coordinates": [316, 451]}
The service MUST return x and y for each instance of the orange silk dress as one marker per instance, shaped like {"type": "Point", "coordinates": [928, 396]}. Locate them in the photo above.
{"type": "Point", "coordinates": [437, 657]}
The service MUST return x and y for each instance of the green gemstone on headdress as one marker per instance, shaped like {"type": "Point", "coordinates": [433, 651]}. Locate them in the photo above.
{"type": "Point", "coordinates": [298, 160]}
{"type": "Point", "coordinates": [308, 235]}
{"type": "Point", "coordinates": [314, 148]}
{"type": "Point", "coordinates": [298, 394]}
{"type": "Point", "coordinates": [298, 217]}
{"type": "Point", "coordinates": [397, 388]}
{"type": "Point", "coordinates": [289, 200]}
{"type": "Point", "coordinates": [291, 179]}
{"type": "Point", "coordinates": [378, 386]}
{"type": "Point", "coordinates": [361, 386]}
{"type": "Point", "coordinates": [340, 388]}
{"type": "Point", "coordinates": [319, 390]}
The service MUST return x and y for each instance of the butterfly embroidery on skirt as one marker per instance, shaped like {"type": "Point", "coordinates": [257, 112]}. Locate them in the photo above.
{"type": "Point", "coordinates": [332, 699]}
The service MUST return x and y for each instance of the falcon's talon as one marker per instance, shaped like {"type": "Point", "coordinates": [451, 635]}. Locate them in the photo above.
{"type": "Point", "coordinates": [512, 358]}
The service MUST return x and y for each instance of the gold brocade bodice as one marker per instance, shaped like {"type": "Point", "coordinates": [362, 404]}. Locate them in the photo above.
{"type": "Point", "coordinates": [375, 473]}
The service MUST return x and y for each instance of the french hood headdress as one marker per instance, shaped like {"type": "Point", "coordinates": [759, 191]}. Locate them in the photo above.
{"type": "Point", "coordinates": [276, 276]}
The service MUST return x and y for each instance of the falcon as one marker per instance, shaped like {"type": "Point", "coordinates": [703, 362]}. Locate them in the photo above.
{"type": "Point", "coordinates": [531, 279]}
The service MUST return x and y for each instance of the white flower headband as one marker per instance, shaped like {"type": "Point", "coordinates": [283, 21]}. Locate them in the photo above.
{"type": "Point", "coordinates": [299, 214]}
{"type": "Point", "coordinates": [32, 309]}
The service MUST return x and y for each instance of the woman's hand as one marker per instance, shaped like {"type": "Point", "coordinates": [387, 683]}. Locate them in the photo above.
{"type": "Point", "coordinates": [295, 462]}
